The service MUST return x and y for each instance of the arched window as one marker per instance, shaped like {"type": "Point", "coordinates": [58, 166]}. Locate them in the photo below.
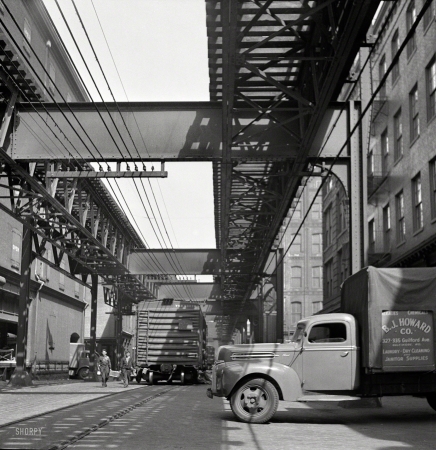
{"type": "Point", "coordinates": [296, 276]}
{"type": "Point", "coordinates": [296, 312]}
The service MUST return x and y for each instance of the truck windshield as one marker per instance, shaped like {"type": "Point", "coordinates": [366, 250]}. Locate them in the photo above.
{"type": "Point", "coordinates": [298, 335]}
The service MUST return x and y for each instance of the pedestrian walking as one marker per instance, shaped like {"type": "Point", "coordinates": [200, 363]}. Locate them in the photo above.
{"type": "Point", "coordinates": [104, 366]}
{"type": "Point", "coordinates": [126, 368]}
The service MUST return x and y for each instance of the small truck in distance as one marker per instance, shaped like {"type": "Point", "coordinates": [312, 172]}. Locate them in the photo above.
{"type": "Point", "coordinates": [381, 343]}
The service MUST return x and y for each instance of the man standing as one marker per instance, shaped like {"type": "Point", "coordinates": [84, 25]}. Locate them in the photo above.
{"type": "Point", "coordinates": [126, 368]}
{"type": "Point", "coordinates": [104, 365]}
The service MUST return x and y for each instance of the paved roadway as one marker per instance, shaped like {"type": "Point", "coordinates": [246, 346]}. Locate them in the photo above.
{"type": "Point", "coordinates": [182, 417]}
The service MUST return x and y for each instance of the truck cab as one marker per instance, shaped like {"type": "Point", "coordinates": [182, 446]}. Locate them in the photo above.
{"type": "Point", "coordinates": [329, 341]}
{"type": "Point", "coordinates": [79, 361]}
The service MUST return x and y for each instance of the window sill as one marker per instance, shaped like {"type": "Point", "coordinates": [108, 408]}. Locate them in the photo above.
{"type": "Point", "coordinates": [398, 160]}
{"type": "Point", "coordinates": [401, 243]}
{"type": "Point", "coordinates": [410, 57]}
{"type": "Point", "coordinates": [430, 23]}
{"type": "Point", "coordinates": [415, 233]}
{"type": "Point", "coordinates": [413, 142]}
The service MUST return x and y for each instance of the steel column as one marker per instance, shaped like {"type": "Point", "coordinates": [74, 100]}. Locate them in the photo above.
{"type": "Point", "coordinates": [279, 295]}
{"type": "Point", "coordinates": [20, 377]}
{"type": "Point", "coordinates": [93, 331]}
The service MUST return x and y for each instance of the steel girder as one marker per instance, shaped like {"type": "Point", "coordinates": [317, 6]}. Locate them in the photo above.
{"type": "Point", "coordinates": [285, 61]}
{"type": "Point", "coordinates": [75, 218]}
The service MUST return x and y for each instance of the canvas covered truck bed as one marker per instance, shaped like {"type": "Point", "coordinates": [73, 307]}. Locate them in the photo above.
{"type": "Point", "coordinates": [396, 312]}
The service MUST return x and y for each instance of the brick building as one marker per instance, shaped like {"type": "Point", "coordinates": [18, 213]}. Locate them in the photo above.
{"type": "Point", "coordinates": [401, 155]}
{"type": "Point", "coordinates": [34, 60]}
{"type": "Point", "coordinates": [303, 277]}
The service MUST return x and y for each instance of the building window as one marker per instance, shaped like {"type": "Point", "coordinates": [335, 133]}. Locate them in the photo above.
{"type": "Point", "coordinates": [339, 212]}
{"type": "Point", "coordinates": [410, 20]}
{"type": "Point", "coordinates": [418, 219]}
{"type": "Point", "coordinates": [62, 276]}
{"type": "Point", "coordinates": [328, 226]}
{"type": "Point", "coordinates": [414, 113]}
{"type": "Point", "coordinates": [316, 306]}
{"type": "Point", "coordinates": [42, 268]}
{"type": "Point", "coordinates": [433, 187]}
{"type": "Point", "coordinates": [52, 79]}
{"type": "Point", "coordinates": [317, 277]}
{"type": "Point", "coordinates": [316, 210]}
{"type": "Point", "coordinates": [343, 263]}
{"type": "Point", "coordinates": [381, 73]}
{"type": "Point", "coordinates": [385, 151]}
{"type": "Point", "coordinates": [296, 277]}
{"type": "Point", "coordinates": [370, 163]}
{"type": "Point", "coordinates": [428, 16]}
{"type": "Point", "coordinates": [16, 247]}
{"type": "Point", "coordinates": [296, 313]}
{"type": "Point", "coordinates": [316, 243]}
{"type": "Point", "coordinates": [398, 136]}
{"type": "Point", "coordinates": [296, 244]}
{"type": "Point", "coordinates": [297, 210]}
{"type": "Point", "coordinates": [76, 289]}
{"type": "Point", "coordinates": [395, 45]}
{"type": "Point", "coordinates": [329, 278]}
{"type": "Point", "coordinates": [431, 89]}
{"type": "Point", "coordinates": [386, 227]}
{"type": "Point", "coordinates": [371, 236]}
{"type": "Point", "coordinates": [401, 223]}
{"type": "Point", "coordinates": [27, 36]}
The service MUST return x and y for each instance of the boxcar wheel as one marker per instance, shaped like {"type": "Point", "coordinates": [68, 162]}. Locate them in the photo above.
{"type": "Point", "coordinates": [431, 399]}
{"type": "Point", "coordinates": [255, 401]}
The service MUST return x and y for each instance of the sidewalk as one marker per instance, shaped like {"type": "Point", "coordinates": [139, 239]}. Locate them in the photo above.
{"type": "Point", "coordinates": [18, 403]}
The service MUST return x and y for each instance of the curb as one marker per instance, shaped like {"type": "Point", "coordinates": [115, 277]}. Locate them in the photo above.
{"type": "Point", "coordinates": [63, 444]}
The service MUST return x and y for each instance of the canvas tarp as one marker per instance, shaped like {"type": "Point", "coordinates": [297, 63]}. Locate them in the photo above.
{"type": "Point", "coordinates": [371, 291]}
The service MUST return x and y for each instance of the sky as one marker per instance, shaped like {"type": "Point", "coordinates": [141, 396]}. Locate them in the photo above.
{"type": "Point", "coordinates": [150, 51]}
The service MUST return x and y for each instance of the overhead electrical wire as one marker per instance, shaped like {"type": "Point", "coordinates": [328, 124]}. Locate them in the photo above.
{"type": "Point", "coordinates": [101, 69]}
{"type": "Point", "coordinates": [89, 94]}
{"type": "Point", "coordinates": [145, 147]}
{"type": "Point", "coordinates": [30, 65]}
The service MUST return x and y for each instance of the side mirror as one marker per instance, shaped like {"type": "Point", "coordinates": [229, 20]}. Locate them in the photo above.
{"type": "Point", "coordinates": [305, 334]}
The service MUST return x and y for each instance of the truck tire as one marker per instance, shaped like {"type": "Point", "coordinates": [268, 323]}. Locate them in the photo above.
{"type": "Point", "coordinates": [83, 373]}
{"type": "Point", "coordinates": [255, 401]}
{"type": "Point", "coordinates": [139, 377]}
{"type": "Point", "coordinates": [431, 399]}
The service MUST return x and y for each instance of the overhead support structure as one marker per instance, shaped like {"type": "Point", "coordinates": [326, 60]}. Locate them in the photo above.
{"type": "Point", "coordinates": [275, 66]}
{"type": "Point", "coordinates": [285, 62]}
{"type": "Point", "coordinates": [77, 220]}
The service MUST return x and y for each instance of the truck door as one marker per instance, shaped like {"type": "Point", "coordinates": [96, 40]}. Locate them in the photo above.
{"type": "Point", "coordinates": [328, 356]}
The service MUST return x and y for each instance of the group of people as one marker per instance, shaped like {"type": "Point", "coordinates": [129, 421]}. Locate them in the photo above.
{"type": "Point", "coordinates": [104, 367]}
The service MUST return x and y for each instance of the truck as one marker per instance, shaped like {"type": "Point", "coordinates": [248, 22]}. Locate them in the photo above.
{"type": "Point", "coordinates": [79, 361]}
{"type": "Point", "coordinates": [170, 341]}
{"type": "Point", "coordinates": [380, 343]}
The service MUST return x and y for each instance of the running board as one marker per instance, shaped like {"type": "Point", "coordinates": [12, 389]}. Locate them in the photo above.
{"type": "Point", "coordinates": [326, 398]}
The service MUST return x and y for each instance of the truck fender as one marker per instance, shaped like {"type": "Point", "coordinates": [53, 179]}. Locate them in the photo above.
{"type": "Point", "coordinates": [283, 377]}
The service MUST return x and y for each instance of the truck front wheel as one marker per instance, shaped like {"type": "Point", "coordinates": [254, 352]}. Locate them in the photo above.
{"type": "Point", "coordinates": [431, 399]}
{"type": "Point", "coordinates": [83, 373]}
{"type": "Point", "coordinates": [255, 401]}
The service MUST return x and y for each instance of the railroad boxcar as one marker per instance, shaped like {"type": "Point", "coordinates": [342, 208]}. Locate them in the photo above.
{"type": "Point", "coordinates": [170, 341]}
